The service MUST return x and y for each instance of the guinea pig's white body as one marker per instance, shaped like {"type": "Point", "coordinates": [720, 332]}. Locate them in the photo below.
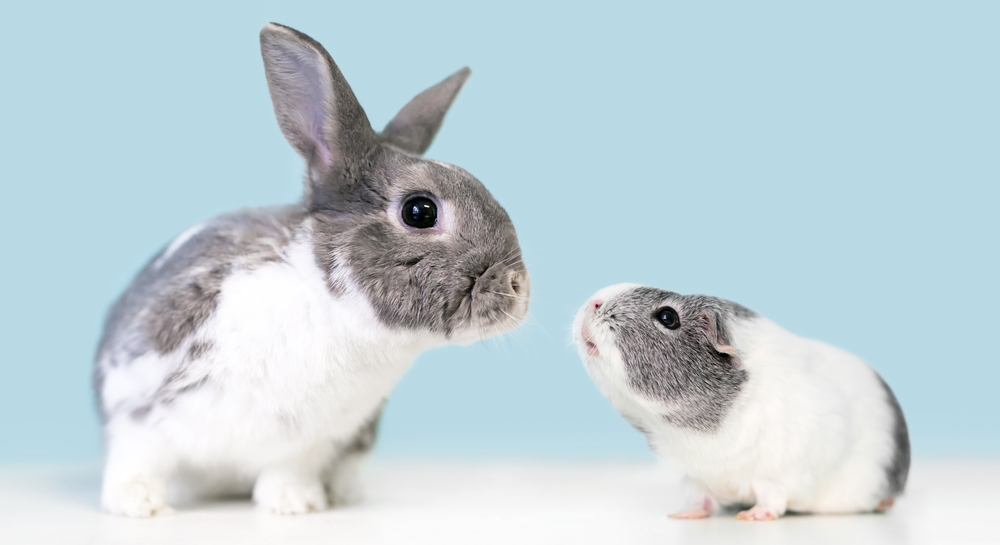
{"type": "Point", "coordinates": [811, 430]}
{"type": "Point", "coordinates": [812, 421]}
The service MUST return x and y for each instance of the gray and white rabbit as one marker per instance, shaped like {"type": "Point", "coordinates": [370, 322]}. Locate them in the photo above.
{"type": "Point", "coordinates": [751, 413]}
{"type": "Point", "coordinates": [256, 350]}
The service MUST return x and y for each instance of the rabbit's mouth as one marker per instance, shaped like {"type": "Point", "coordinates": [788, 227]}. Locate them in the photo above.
{"type": "Point", "coordinates": [497, 303]}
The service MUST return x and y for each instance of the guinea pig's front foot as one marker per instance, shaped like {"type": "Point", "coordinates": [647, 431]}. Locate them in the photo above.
{"type": "Point", "coordinates": [771, 502]}
{"type": "Point", "coordinates": [757, 513]}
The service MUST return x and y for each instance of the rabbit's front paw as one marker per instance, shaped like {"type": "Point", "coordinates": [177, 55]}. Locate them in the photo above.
{"type": "Point", "coordinates": [289, 497]}
{"type": "Point", "coordinates": [138, 497]}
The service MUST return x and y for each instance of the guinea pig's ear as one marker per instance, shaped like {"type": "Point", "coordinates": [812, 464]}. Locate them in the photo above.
{"type": "Point", "coordinates": [711, 323]}
{"type": "Point", "coordinates": [315, 107]}
{"type": "Point", "coordinates": [414, 127]}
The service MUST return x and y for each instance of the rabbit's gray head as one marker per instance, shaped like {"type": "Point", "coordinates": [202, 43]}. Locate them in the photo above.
{"type": "Point", "coordinates": [423, 240]}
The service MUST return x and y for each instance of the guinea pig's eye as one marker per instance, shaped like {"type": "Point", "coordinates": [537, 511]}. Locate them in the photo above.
{"type": "Point", "coordinates": [420, 213]}
{"type": "Point", "coordinates": [668, 317]}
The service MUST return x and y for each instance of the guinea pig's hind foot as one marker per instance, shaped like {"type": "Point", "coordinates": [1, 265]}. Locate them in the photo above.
{"type": "Point", "coordinates": [885, 505]}
{"type": "Point", "coordinates": [691, 514]}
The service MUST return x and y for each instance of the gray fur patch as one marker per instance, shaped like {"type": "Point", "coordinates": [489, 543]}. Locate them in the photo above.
{"type": "Point", "coordinates": [190, 302]}
{"type": "Point", "coordinates": [898, 468]}
{"type": "Point", "coordinates": [198, 349]}
{"type": "Point", "coordinates": [141, 413]}
{"type": "Point", "coordinates": [173, 300]}
{"type": "Point", "coordinates": [680, 368]}
{"type": "Point", "coordinates": [175, 385]}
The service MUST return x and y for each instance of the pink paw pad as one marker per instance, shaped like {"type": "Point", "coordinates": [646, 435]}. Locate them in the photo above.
{"type": "Point", "coordinates": [690, 514]}
{"type": "Point", "coordinates": [702, 511]}
{"type": "Point", "coordinates": [757, 513]}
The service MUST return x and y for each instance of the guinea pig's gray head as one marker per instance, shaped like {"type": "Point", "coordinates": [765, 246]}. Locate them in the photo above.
{"type": "Point", "coordinates": [425, 242]}
{"type": "Point", "coordinates": [672, 353]}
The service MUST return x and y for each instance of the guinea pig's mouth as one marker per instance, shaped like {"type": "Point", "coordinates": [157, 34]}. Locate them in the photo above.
{"type": "Point", "coordinates": [588, 340]}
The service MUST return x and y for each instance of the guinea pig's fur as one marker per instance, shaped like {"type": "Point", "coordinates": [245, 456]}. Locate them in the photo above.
{"type": "Point", "coordinates": [753, 414]}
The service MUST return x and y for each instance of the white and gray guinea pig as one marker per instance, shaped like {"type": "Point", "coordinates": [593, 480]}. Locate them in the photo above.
{"type": "Point", "coordinates": [254, 353]}
{"type": "Point", "coordinates": [752, 414]}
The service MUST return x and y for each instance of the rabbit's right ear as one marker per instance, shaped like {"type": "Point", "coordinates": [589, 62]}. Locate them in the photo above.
{"type": "Point", "coordinates": [415, 126]}
{"type": "Point", "coordinates": [315, 107]}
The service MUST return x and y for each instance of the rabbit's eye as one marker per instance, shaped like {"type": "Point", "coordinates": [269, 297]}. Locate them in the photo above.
{"type": "Point", "coordinates": [420, 213]}
{"type": "Point", "coordinates": [668, 317]}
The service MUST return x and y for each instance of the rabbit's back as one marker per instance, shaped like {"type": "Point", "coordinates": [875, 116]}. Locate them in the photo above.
{"type": "Point", "coordinates": [178, 290]}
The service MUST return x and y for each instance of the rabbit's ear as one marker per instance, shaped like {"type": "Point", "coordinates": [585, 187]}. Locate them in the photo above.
{"type": "Point", "coordinates": [414, 127]}
{"type": "Point", "coordinates": [315, 107]}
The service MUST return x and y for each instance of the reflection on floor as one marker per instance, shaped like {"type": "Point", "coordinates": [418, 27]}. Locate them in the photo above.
{"type": "Point", "coordinates": [948, 501]}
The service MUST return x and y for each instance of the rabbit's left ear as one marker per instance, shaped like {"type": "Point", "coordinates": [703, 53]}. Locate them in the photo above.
{"type": "Point", "coordinates": [414, 127]}
{"type": "Point", "coordinates": [316, 109]}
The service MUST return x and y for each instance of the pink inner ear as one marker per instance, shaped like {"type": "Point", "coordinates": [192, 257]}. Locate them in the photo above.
{"type": "Point", "coordinates": [711, 330]}
{"type": "Point", "coordinates": [726, 349]}
{"type": "Point", "coordinates": [301, 88]}
{"type": "Point", "coordinates": [314, 103]}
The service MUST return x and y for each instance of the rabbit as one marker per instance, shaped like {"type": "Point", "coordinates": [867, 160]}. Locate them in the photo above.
{"type": "Point", "coordinates": [752, 414]}
{"type": "Point", "coordinates": [255, 351]}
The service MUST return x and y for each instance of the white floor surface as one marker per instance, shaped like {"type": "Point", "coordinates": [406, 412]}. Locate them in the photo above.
{"type": "Point", "coordinates": [947, 502]}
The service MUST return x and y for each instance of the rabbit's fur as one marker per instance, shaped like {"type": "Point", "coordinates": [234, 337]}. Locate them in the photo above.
{"type": "Point", "coordinates": [255, 352]}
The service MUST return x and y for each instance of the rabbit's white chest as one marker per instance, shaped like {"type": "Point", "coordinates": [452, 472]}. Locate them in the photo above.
{"type": "Point", "coordinates": [292, 365]}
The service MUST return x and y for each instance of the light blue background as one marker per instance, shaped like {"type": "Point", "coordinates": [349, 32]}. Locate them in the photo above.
{"type": "Point", "coordinates": [833, 167]}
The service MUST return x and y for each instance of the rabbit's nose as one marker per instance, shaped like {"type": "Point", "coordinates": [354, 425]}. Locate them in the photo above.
{"type": "Point", "coordinates": [517, 282]}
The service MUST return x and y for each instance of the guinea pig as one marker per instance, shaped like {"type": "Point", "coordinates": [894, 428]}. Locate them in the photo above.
{"type": "Point", "coordinates": [752, 414]}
